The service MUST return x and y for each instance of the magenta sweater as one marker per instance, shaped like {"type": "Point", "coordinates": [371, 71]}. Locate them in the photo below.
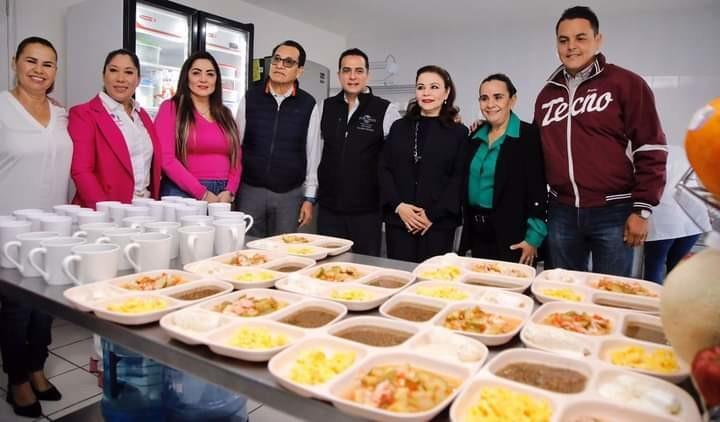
{"type": "Point", "coordinates": [208, 155]}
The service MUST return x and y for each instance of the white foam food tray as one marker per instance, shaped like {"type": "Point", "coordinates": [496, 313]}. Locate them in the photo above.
{"type": "Point", "coordinates": [608, 394]}
{"type": "Point", "coordinates": [304, 244]}
{"type": "Point", "coordinates": [565, 285]}
{"type": "Point", "coordinates": [475, 271]}
{"type": "Point", "coordinates": [359, 289]}
{"type": "Point", "coordinates": [206, 324]}
{"type": "Point", "coordinates": [621, 328]}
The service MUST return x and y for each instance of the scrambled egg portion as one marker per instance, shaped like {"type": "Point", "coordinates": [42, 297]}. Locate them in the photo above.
{"type": "Point", "coordinates": [138, 305]}
{"type": "Point", "coordinates": [659, 360]}
{"type": "Point", "coordinates": [499, 404]}
{"type": "Point", "coordinates": [257, 338]}
{"type": "Point", "coordinates": [315, 367]}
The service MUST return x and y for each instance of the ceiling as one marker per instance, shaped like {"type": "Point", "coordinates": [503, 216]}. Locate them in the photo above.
{"type": "Point", "coordinates": [344, 17]}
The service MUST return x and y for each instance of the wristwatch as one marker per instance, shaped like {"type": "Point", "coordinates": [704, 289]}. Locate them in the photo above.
{"type": "Point", "coordinates": [643, 213]}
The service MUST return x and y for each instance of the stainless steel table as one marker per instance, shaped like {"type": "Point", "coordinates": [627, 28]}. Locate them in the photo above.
{"type": "Point", "coordinates": [250, 379]}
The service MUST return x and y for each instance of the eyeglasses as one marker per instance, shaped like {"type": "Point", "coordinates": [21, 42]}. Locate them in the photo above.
{"type": "Point", "coordinates": [286, 61]}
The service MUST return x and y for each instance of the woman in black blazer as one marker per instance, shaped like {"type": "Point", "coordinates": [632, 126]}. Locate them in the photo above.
{"type": "Point", "coordinates": [421, 171]}
{"type": "Point", "coordinates": [505, 196]}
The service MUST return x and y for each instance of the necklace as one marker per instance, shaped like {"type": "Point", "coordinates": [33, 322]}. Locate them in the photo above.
{"type": "Point", "coordinates": [416, 156]}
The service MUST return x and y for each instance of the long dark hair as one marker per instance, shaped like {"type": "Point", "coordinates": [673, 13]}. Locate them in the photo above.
{"type": "Point", "coordinates": [36, 40]}
{"type": "Point", "coordinates": [448, 111]}
{"type": "Point", "coordinates": [122, 52]}
{"type": "Point", "coordinates": [186, 118]}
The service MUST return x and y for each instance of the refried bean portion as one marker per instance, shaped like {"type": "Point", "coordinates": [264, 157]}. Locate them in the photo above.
{"type": "Point", "coordinates": [559, 380]}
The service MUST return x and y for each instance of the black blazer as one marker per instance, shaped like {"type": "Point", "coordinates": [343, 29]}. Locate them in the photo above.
{"type": "Point", "coordinates": [439, 181]}
{"type": "Point", "coordinates": [519, 192]}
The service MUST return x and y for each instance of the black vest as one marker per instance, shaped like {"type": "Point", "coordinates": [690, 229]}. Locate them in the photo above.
{"type": "Point", "coordinates": [274, 143]}
{"type": "Point", "coordinates": [348, 172]}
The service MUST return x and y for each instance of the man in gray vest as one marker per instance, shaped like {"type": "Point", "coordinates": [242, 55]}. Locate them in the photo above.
{"type": "Point", "coordinates": [281, 147]}
{"type": "Point", "coordinates": [353, 127]}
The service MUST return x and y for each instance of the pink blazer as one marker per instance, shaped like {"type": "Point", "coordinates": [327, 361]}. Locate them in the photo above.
{"type": "Point", "coordinates": [101, 166]}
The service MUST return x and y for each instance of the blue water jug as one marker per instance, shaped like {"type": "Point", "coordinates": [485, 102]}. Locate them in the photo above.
{"type": "Point", "coordinates": [132, 386]}
{"type": "Point", "coordinates": [189, 399]}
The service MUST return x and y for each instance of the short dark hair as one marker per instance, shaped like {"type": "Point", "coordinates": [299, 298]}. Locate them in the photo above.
{"type": "Point", "coordinates": [36, 40]}
{"type": "Point", "coordinates": [295, 44]}
{"type": "Point", "coordinates": [354, 52]}
{"type": "Point", "coordinates": [580, 12]}
{"type": "Point", "coordinates": [121, 51]}
{"type": "Point", "coordinates": [502, 78]}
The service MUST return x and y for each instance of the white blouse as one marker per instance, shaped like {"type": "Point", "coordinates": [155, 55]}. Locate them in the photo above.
{"type": "Point", "coordinates": [137, 140]}
{"type": "Point", "coordinates": [34, 160]}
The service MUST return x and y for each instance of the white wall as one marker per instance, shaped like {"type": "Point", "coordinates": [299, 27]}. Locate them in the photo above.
{"type": "Point", "coordinates": [46, 18]}
{"type": "Point", "coordinates": [682, 47]}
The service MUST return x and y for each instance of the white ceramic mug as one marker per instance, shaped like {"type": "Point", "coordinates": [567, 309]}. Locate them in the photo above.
{"type": "Point", "coordinates": [24, 243]}
{"type": "Point", "coordinates": [196, 220]}
{"type": "Point", "coordinates": [87, 217]}
{"type": "Point", "coordinates": [142, 202]}
{"type": "Point", "coordinates": [117, 212]}
{"type": "Point", "coordinates": [171, 198]}
{"type": "Point", "coordinates": [169, 228]}
{"type": "Point", "coordinates": [53, 251]}
{"type": "Point", "coordinates": [61, 224]}
{"type": "Point", "coordinates": [157, 210]}
{"type": "Point", "coordinates": [196, 243]}
{"type": "Point", "coordinates": [237, 215]}
{"type": "Point", "coordinates": [62, 209]}
{"type": "Point", "coordinates": [92, 231]}
{"type": "Point", "coordinates": [9, 230]}
{"type": "Point", "coordinates": [229, 235]}
{"type": "Point", "coordinates": [94, 262]}
{"type": "Point", "coordinates": [36, 220]}
{"type": "Point", "coordinates": [184, 210]}
{"type": "Point", "coordinates": [152, 251]}
{"type": "Point", "coordinates": [136, 211]}
{"type": "Point", "coordinates": [201, 207]}
{"type": "Point", "coordinates": [215, 208]}
{"type": "Point", "coordinates": [170, 210]}
{"type": "Point", "coordinates": [138, 222]}
{"type": "Point", "coordinates": [121, 237]}
{"type": "Point", "coordinates": [24, 213]}
{"type": "Point", "coordinates": [104, 206]}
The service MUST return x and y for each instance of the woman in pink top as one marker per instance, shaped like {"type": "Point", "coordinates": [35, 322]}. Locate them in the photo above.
{"type": "Point", "coordinates": [200, 140]}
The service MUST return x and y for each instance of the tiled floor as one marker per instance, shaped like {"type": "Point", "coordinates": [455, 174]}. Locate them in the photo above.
{"type": "Point", "coordinates": [67, 368]}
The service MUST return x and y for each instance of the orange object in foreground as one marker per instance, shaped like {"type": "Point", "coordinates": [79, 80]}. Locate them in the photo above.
{"type": "Point", "coordinates": [702, 144]}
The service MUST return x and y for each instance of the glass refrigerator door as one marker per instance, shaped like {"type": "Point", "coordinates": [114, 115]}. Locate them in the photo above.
{"type": "Point", "coordinates": [162, 43]}
{"type": "Point", "coordinates": [229, 46]}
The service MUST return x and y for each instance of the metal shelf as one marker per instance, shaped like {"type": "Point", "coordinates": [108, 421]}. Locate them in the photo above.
{"type": "Point", "coordinates": [689, 191]}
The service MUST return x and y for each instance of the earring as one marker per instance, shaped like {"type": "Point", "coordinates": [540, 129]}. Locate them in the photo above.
{"type": "Point", "coordinates": [445, 101]}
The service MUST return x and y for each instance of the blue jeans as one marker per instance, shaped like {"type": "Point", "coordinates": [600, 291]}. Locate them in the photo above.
{"type": "Point", "coordinates": [169, 188]}
{"type": "Point", "coordinates": [661, 256]}
{"type": "Point", "coordinates": [574, 233]}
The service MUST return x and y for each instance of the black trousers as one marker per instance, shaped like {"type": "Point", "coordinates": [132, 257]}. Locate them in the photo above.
{"type": "Point", "coordinates": [416, 248]}
{"type": "Point", "coordinates": [484, 242]}
{"type": "Point", "coordinates": [25, 334]}
{"type": "Point", "coordinates": [364, 229]}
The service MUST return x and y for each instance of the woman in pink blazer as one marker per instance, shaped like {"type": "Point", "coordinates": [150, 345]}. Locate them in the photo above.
{"type": "Point", "coordinates": [116, 153]}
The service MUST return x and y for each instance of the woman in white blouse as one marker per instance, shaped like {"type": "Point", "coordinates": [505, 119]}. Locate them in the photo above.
{"type": "Point", "coordinates": [116, 155]}
{"type": "Point", "coordinates": [35, 152]}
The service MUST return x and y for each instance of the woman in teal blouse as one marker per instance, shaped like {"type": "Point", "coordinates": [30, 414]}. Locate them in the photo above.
{"type": "Point", "coordinates": [506, 196]}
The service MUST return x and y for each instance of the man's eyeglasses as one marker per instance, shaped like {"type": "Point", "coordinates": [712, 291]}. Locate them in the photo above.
{"type": "Point", "coordinates": [287, 61]}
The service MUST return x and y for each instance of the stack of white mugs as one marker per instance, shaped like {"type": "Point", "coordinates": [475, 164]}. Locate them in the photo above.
{"type": "Point", "coordinates": [78, 245]}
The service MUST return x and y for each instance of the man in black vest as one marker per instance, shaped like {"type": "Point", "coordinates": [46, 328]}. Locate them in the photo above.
{"type": "Point", "coordinates": [353, 126]}
{"type": "Point", "coordinates": [281, 147]}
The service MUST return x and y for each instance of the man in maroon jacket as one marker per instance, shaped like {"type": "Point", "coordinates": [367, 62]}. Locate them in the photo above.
{"type": "Point", "coordinates": [604, 152]}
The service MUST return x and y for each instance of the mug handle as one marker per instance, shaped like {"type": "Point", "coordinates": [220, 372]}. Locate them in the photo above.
{"type": "Point", "coordinates": [31, 259]}
{"type": "Point", "coordinates": [192, 244]}
{"type": "Point", "coordinates": [103, 239]}
{"type": "Point", "coordinates": [127, 251]}
{"type": "Point", "coordinates": [250, 222]}
{"type": "Point", "coordinates": [6, 252]}
{"type": "Point", "coordinates": [80, 233]}
{"type": "Point", "coordinates": [66, 267]}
